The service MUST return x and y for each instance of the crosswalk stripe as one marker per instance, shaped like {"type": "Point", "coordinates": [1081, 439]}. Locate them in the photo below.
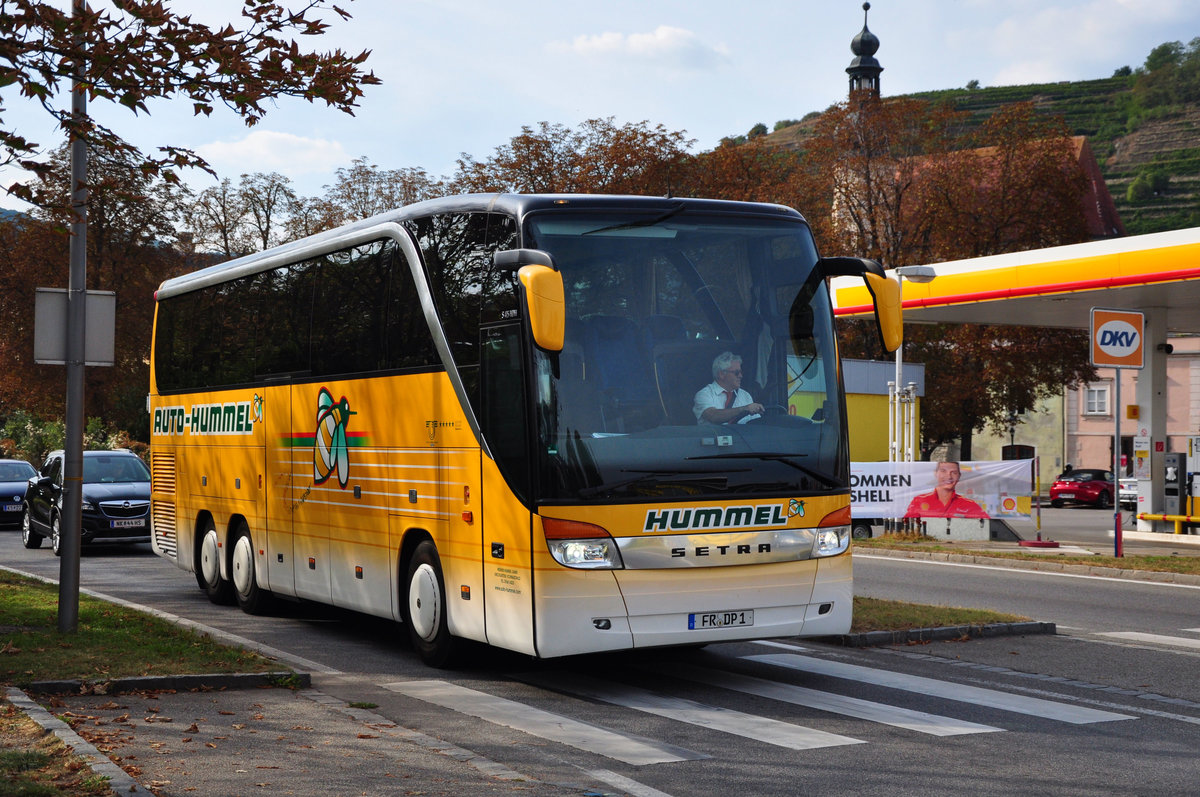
{"type": "Point", "coordinates": [1138, 636]}
{"type": "Point", "coordinates": [763, 729]}
{"type": "Point", "coordinates": [1048, 709]}
{"type": "Point", "coordinates": [544, 724]}
{"type": "Point", "coordinates": [895, 716]}
{"type": "Point", "coordinates": [626, 785]}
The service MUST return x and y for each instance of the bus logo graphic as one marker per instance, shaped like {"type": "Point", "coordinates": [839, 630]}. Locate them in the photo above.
{"type": "Point", "coordinates": [795, 508]}
{"type": "Point", "coordinates": [330, 452]}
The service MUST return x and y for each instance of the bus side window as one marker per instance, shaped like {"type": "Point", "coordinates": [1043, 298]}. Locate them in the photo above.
{"type": "Point", "coordinates": [464, 282]}
{"type": "Point", "coordinates": [408, 342]}
{"type": "Point", "coordinates": [505, 408]}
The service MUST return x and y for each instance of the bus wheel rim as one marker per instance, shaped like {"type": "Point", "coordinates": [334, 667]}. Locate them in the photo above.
{"type": "Point", "coordinates": [243, 565]}
{"type": "Point", "coordinates": [424, 602]}
{"type": "Point", "coordinates": [210, 566]}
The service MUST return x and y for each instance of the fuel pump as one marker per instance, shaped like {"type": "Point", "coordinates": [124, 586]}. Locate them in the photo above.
{"type": "Point", "coordinates": [1193, 476]}
{"type": "Point", "coordinates": [1174, 482]}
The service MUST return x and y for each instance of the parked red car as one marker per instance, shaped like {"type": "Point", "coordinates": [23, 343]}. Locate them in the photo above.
{"type": "Point", "coordinates": [1083, 486]}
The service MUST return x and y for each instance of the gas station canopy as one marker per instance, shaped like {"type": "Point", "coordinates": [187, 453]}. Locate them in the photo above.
{"type": "Point", "coordinates": [1055, 287]}
{"type": "Point", "coordinates": [1157, 275]}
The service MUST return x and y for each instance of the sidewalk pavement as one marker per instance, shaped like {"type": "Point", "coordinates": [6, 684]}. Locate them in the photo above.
{"type": "Point", "coordinates": [233, 735]}
{"type": "Point", "coordinates": [259, 741]}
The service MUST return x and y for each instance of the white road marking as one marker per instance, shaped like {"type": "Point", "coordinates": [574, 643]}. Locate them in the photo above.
{"type": "Point", "coordinates": [544, 724]}
{"type": "Point", "coordinates": [626, 785]}
{"type": "Point", "coordinates": [763, 729]}
{"type": "Point", "coordinates": [1045, 573]}
{"type": "Point", "coordinates": [979, 696]}
{"type": "Point", "coordinates": [1158, 639]}
{"type": "Point", "coordinates": [919, 721]}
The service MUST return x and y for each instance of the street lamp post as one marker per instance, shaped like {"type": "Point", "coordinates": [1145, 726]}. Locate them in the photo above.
{"type": "Point", "coordinates": [896, 394]}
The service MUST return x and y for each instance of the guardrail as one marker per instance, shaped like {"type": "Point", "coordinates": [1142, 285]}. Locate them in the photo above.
{"type": "Point", "coordinates": [1178, 520]}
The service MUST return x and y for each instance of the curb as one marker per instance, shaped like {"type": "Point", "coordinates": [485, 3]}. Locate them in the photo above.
{"type": "Point", "coordinates": [182, 683]}
{"type": "Point", "coordinates": [942, 634]}
{"type": "Point", "coordinates": [1045, 565]}
{"type": "Point", "coordinates": [118, 779]}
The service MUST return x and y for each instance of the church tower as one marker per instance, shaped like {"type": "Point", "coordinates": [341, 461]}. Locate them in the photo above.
{"type": "Point", "coordinates": [864, 69]}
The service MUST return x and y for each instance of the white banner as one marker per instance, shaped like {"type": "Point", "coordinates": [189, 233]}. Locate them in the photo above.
{"type": "Point", "coordinates": [1001, 489]}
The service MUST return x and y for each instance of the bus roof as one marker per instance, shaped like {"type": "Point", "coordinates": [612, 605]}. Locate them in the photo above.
{"type": "Point", "coordinates": [517, 205]}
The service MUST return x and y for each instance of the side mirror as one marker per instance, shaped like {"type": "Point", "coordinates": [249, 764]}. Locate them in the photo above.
{"type": "Point", "coordinates": [888, 309]}
{"type": "Point", "coordinates": [545, 302]}
{"type": "Point", "coordinates": [545, 305]}
{"type": "Point", "coordinates": [885, 293]}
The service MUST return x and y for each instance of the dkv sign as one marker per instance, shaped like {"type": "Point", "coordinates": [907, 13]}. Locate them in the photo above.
{"type": "Point", "coordinates": [1117, 338]}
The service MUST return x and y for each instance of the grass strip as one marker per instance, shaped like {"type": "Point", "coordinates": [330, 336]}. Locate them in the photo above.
{"type": "Point", "coordinates": [111, 641]}
{"type": "Point", "coordinates": [874, 614]}
{"type": "Point", "coordinates": [916, 542]}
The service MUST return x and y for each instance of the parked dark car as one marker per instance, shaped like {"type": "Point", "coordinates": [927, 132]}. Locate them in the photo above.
{"type": "Point", "coordinates": [116, 500]}
{"type": "Point", "coordinates": [14, 479]}
{"type": "Point", "coordinates": [1083, 486]}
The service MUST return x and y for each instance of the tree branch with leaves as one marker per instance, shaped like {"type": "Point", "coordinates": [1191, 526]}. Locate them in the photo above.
{"type": "Point", "coordinates": [135, 51]}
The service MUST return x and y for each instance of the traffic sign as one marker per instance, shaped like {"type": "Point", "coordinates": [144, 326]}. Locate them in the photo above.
{"type": "Point", "coordinates": [1118, 339]}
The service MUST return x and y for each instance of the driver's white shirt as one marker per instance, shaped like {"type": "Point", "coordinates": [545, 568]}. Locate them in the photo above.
{"type": "Point", "coordinates": [712, 396]}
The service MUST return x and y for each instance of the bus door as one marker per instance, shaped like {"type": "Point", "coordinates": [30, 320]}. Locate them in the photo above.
{"type": "Point", "coordinates": [508, 576]}
{"type": "Point", "coordinates": [318, 427]}
{"type": "Point", "coordinates": [279, 447]}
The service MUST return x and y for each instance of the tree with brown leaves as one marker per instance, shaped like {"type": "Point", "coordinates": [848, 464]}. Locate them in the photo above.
{"type": "Point", "coordinates": [134, 51]}
{"type": "Point", "coordinates": [907, 186]}
{"type": "Point", "coordinates": [600, 157]}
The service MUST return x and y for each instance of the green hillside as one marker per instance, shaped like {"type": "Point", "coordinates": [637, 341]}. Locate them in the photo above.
{"type": "Point", "coordinates": [1161, 145]}
{"type": "Point", "coordinates": [1144, 129]}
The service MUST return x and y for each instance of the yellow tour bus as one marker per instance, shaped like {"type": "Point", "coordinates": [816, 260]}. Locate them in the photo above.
{"type": "Point", "coordinates": [480, 416]}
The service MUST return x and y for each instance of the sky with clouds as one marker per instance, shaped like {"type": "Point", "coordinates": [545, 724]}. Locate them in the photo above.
{"type": "Point", "coordinates": [464, 76]}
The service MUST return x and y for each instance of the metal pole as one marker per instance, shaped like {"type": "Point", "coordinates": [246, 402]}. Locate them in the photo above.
{"type": "Point", "coordinates": [69, 524]}
{"type": "Point", "coordinates": [893, 397]}
{"type": "Point", "coordinates": [1118, 546]}
{"type": "Point", "coordinates": [899, 400]}
{"type": "Point", "coordinates": [914, 437]}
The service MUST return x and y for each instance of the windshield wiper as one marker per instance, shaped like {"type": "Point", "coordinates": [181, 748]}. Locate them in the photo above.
{"type": "Point", "coordinates": [650, 222]}
{"type": "Point", "coordinates": [786, 459]}
{"type": "Point", "coordinates": [661, 477]}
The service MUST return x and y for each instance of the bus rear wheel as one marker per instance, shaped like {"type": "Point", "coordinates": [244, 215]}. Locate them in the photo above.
{"type": "Point", "coordinates": [208, 567]}
{"type": "Point", "coordinates": [425, 607]}
{"type": "Point", "coordinates": [252, 598]}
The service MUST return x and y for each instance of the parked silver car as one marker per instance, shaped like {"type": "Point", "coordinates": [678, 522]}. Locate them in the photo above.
{"type": "Point", "coordinates": [1127, 493]}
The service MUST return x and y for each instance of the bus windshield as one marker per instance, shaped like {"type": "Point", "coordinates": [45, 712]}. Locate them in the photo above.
{"type": "Point", "coordinates": [653, 300]}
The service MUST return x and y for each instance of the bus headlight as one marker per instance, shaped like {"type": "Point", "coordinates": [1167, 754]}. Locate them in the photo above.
{"type": "Point", "coordinates": [581, 545]}
{"type": "Point", "coordinates": [831, 541]}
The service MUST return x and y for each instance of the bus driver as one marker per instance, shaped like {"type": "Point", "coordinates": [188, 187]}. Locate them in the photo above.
{"type": "Point", "coordinates": [723, 400]}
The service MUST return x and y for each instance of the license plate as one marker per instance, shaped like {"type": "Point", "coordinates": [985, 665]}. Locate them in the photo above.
{"type": "Point", "coordinates": [720, 619]}
{"type": "Point", "coordinates": [12, 507]}
{"type": "Point", "coordinates": [1066, 495]}
{"type": "Point", "coordinates": [133, 523]}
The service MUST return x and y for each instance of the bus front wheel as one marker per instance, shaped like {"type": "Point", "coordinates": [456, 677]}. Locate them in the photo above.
{"type": "Point", "coordinates": [208, 568]}
{"type": "Point", "coordinates": [425, 607]}
{"type": "Point", "coordinates": [250, 596]}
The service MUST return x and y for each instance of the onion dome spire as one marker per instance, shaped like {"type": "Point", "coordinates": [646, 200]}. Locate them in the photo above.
{"type": "Point", "coordinates": [864, 69]}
